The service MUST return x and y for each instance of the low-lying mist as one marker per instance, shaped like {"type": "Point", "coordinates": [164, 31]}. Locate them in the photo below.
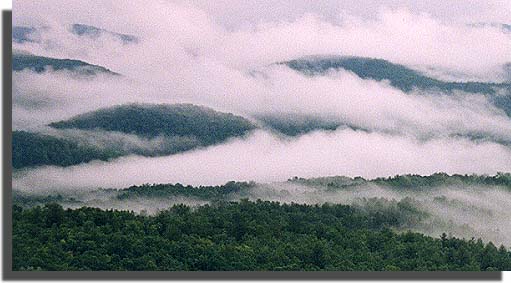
{"type": "Point", "coordinates": [396, 31]}
{"type": "Point", "coordinates": [263, 157]}
{"type": "Point", "coordinates": [461, 210]}
{"type": "Point", "coordinates": [40, 99]}
{"type": "Point", "coordinates": [125, 144]}
{"type": "Point", "coordinates": [188, 53]}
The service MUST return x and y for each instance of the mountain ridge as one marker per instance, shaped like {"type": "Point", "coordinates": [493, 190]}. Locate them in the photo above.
{"type": "Point", "coordinates": [40, 64]}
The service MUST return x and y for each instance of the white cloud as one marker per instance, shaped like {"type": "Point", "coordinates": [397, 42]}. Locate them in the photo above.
{"type": "Point", "coordinates": [407, 33]}
{"type": "Point", "coordinates": [186, 55]}
{"type": "Point", "coordinates": [264, 158]}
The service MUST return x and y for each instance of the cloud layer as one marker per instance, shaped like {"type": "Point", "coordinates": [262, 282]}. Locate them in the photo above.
{"type": "Point", "coordinates": [264, 158]}
{"type": "Point", "coordinates": [190, 52]}
{"type": "Point", "coordinates": [401, 32]}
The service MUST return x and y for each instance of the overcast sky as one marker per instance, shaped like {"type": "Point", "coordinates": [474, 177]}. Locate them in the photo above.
{"type": "Point", "coordinates": [235, 13]}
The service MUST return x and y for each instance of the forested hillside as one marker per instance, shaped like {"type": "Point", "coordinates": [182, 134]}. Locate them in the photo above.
{"type": "Point", "coordinates": [399, 76]}
{"type": "Point", "coordinates": [162, 191]}
{"type": "Point", "coordinates": [39, 64]}
{"type": "Point", "coordinates": [33, 149]}
{"type": "Point", "coordinates": [238, 190]}
{"type": "Point", "coordinates": [241, 136]}
{"type": "Point", "coordinates": [411, 181]}
{"type": "Point", "coordinates": [173, 128]}
{"type": "Point", "coordinates": [236, 236]}
{"type": "Point", "coordinates": [205, 124]}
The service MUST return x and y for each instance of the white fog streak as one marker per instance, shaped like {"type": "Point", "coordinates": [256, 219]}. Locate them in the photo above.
{"type": "Point", "coordinates": [264, 158]}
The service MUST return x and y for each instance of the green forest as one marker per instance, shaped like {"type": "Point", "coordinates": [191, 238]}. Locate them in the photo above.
{"type": "Point", "coordinates": [241, 235]}
{"type": "Point", "coordinates": [33, 149]}
{"type": "Point", "coordinates": [296, 124]}
{"type": "Point", "coordinates": [410, 181]}
{"type": "Point", "coordinates": [40, 64]}
{"type": "Point", "coordinates": [147, 120]}
{"type": "Point", "coordinates": [230, 136]}
{"type": "Point", "coordinates": [180, 127]}
{"type": "Point", "coordinates": [238, 190]}
{"type": "Point", "coordinates": [400, 77]}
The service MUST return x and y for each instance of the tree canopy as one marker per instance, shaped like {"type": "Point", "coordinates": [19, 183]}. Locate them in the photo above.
{"type": "Point", "coordinates": [148, 120]}
{"type": "Point", "coordinates": [399, 76]}
{"type": "Point", "coordinates": [33, 149]}
{"type": "Point", "coordinates": [236, 236]}
{"type": "Point", "coordinates": [40, 64]}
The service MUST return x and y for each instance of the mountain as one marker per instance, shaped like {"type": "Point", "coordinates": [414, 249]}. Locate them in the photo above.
{"type": "Point", "coordinates": [163, 130]}
{"type": "Point", "coordinates": [23, 34]}
{"type": "Point", "coordinates": [400, 77]}
{"type": "Point", "coordinates": [34, 149]}
{"type": "Point", "coordinates": [239, 190]}
{"type": "Point", "coordinates": [95, 32]}
{"type": "Point", "coordinates": [150, 121]}
{"type": "Point", "coordinates": [39, 64]}
{"type": "Point", "coordinates": [409, 181]}
{"type": "Point", "coordinates": [167, 129]}
{"type": "Point", "coordinates": [65, 148]}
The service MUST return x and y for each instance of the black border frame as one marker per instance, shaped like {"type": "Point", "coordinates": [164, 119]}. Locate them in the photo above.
{"type": "Point", "coordinates": [8, 274]}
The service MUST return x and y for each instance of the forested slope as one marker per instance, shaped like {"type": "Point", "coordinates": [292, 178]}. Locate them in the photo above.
{"type": "Point", "coordinates": [33, 149]}
{"type": "Point", "coordinates": [39, 64]}
{"type": "Point", "coordinates": [399, 76]}
{"type": "Point", "coordinates": [173, 128]}
{"type": "Point", "coordinates": [236, 236]}
{"type": "Point", "coordinates": [147, 120]}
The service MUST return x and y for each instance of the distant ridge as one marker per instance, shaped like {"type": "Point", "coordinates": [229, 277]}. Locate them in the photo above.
{"type": "Point", "coordinates": [181, 127]}
{"type": "Point", "coordinates": [39, 64]}
{"type": "Point", "coordinates": [152, 120]}
{"type": "Point", "coordinates": [31, 34]}
{"type": "Point", "coordinates": [400, 76]}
